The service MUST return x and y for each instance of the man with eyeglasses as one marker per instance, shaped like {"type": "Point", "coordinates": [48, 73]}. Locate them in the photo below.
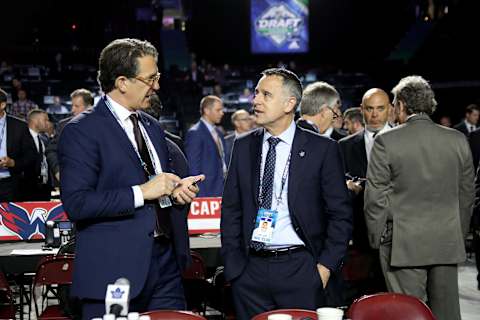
{"type": "Point", "coordinates": [118, 187]}
{"type": "Point", "coordinates": [317, 110]}
{"type": "Point", "coordinates": [242, 122]}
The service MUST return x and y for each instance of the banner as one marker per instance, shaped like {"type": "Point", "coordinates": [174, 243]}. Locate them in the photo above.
{"type": "Point", "coordinates": [26, 220]}
{"type": "Point", "coordinates": [20, 221]}
{"type": "Point", "coordinates": [279, 26]}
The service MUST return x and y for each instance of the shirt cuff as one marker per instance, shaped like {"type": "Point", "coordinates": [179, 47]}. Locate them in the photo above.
{"type": "Point", "coordinates": [138, 196]}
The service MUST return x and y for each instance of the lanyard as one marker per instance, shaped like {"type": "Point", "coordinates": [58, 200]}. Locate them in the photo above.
{"type": "Point", "coordinates": [135, 147]}
{"type": "Point", "coordinates": [284, 180]}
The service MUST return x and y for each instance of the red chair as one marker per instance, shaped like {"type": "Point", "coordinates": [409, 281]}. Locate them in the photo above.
{"type": "Point", "coordinates": [391, 306]}
{"type": "Point", "coordinates": [195, 283]}
{"type": "Point", "coordinates": [7, 308]}
{"type": "Point", "coordinates": [297, 314]}
{"type": "Point", "coordinates": [52, 271]}
{"type": "Point", "coordinates": [173, 315]}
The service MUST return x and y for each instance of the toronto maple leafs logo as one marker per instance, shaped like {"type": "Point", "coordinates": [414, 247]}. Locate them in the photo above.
{"type": "Point", "coordinates": [25, 225]}
{"type": "Point", "coordinates": [117, 293]}
{"type": "Point", "coordinates": [278, 23]}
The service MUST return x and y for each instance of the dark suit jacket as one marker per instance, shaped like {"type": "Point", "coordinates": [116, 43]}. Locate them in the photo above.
{"type": "Point", "coordinates": [355, 163]}
{"type": "Point", "coordinates": [98, 166]}
{"type": "Point", "coordinates": [52, 147]}
{"type": "Point", "coordinates": [474, 140]}
{"type": "Point", "coordinates": [228, 146]}
{"type": "Point", "coordinates": [34, 189]}
{"type": "Point", "coordinates": [462, 127]}
{"type": "Point", "coordinates": [175, 139]}
{"type": "Point", "coordinates": [203, 158]}
{"type": "Point", "coordinates": [21, 148]}
{"type": "Point", "coordinates": [336, 134]}
{"type": "Point", "coordinates": [318, 201]}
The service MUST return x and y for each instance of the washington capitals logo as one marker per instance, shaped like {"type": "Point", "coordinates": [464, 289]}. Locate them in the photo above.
{"type": "Point", "coordinates": [117, 293]}
{"type": "Point", "coordinates": [27, 220]}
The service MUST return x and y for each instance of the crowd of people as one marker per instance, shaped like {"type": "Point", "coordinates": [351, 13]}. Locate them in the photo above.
{"type": "Point", "coordinates": [303, 185]}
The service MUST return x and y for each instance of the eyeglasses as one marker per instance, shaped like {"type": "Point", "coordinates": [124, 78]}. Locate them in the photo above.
{"type": "Point", "coordinates": [150, 81]}
{"type": "Point", "coordinates": [335, 115]}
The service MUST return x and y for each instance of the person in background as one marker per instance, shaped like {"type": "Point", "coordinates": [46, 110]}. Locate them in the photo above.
{"type": "Point", "coordinates": [17, 152]}
{"type": "Point", "coordinates": [419, 197]}
{"type": "Point", "coordinates": [205, 147]}
{"type": "Point", "coordinates": [353, 120]}
{"type": "Point", "coordinates": [317, 110]}
{"type": "Point", "coordinates": [469, 124]}
{"type": "Point", "coordinates": [82, 100]}
{"type": "Point", "coordinates": [242, 123]}
{"type": "Point", "coordinates": [57, 107]}
{"type": "Point", "coordinates": [22, 106]}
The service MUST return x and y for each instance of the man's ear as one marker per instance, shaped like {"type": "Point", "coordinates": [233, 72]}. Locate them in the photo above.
{"type": "Point", "coordinates": [290, 104]}
{"type": "Point", "coordinates": [121, 84]}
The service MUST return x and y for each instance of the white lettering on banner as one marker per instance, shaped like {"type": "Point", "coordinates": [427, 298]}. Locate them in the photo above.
{"type": "Point", "coordinates": [204, 215]}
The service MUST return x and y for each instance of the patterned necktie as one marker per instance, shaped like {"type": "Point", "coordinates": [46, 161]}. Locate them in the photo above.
{"type": "Point", "coordinates": [267, 184]}
{"type": "Point", "coordinates": [163, 220]}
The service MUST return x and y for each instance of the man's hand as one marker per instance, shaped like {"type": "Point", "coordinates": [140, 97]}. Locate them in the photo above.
{"type": "Point", "coordinates": [324, 274]}
{"type": "Point", "coordinates": [187, 189]}
{"type": "Point", "coordinates": [354, 186]}
{"type": "Point", "coordinates": [162, 185]}
{"type": "Point", "coordinates": [6, 162]}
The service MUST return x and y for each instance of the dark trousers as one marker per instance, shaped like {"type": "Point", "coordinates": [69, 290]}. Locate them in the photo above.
{"type": "Point", "coordinates": [163, 288]}
{"type": "Point", "coordinates": [476, 248]}
{"type": "Point", "coordinates": [286, 281]}
{"type": "Point", "coordinates": [7, 190]}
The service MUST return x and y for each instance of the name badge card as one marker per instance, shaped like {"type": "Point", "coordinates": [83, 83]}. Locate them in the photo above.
{"type": "Point", "coordinates": [264, 225]}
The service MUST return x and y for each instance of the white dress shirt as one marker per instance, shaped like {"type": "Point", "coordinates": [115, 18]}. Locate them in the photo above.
{"type": "Point", "coordinates": [470, 127]}
{"type": "Point", "coordinates": [123, 115]}
{"type": "Point", "coordinates": [283, 235]}
{"type": "Point", "coordinates": [4, 172]}
{"type": "Point", "coordinates": [327, 133]}
{"type": "Point", "coordinates": [44, 164]}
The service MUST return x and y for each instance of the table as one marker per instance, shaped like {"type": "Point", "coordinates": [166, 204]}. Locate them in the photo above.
{"type": "Point", "coordinates": [26, 262]}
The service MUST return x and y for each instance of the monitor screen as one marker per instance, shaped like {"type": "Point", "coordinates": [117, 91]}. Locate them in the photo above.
{"type": "Point", "coordinates": [279, 26]}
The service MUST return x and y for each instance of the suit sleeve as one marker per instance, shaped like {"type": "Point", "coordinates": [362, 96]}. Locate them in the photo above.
{"type": "Point", "coordinates": [193, 150]}
{"type": "Point", "coordinates": [51, 155]}
{"type": "Point", "coordinates": [338, 209]}
{"type": "Point", "coordinates": [466, 187]}
{"type": "Point", "coordinates": [80, 167]}
{"type": "Point", "coordinates": [28, 155]}
{"type": "Point", "coordinates": [376, 192]}
{"type": "Point", "coordinates": [231, 221]}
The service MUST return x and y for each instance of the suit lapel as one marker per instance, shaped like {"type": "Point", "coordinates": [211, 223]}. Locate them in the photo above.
{"type": "Point", "coordinates": [297, 164]}
{"type": "Point", "coordinates": [120, 135]}
{"type": "Point", "coordinates": [360, 152]}
{"type": "Point", "coordinates": [256, 160]}
{"type": "Point", "coordinates": [10, 142]}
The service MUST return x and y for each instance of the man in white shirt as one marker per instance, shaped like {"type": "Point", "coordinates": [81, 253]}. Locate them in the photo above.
{"type": "Point", "coordinates": [39, 186]}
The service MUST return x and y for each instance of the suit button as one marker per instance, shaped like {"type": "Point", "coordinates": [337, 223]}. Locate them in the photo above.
{"type": "Point", "coordinates": [297, 228]}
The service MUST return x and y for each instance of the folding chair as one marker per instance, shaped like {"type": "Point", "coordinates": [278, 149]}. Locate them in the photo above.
{"type": "Point", "coordinates": [297, 314]}
{"type": "Point", "coordinates": [7, 307]}
{"type": "Point", "coordinates": [195, 284]}
{"type": "Point", "coordinates": [391, 306]}
{"type": "Point", "coordinates": [52, 271]}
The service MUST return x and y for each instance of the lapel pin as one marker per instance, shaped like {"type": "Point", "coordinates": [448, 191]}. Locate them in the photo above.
{"type": "Point", "coordinates": [301, 154]}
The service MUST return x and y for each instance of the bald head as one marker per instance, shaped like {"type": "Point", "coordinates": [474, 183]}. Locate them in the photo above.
{"type": "Point", "coordinates": [375, 108]}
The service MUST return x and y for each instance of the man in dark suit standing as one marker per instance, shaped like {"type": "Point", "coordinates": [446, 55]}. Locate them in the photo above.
{"type": "Point", "coordinates": [318, 110]}
{"type": "Point", "coordinates": [469, 124]}
{"type": "Point", "coordinates": [17, 152]}
{"type": "Point", "coordinates": [242, 123]}
{"type": "Point", "coordinates": [38, 183]}
{"type": "Point", "coordinates": [356, 151]}
{"type": "Point", "coordinates": [117, 186]}
{"type": "Point", "coordinates": [82, 99]}
{"type": "Point", "coordinates": [205, 148]}
{"type": "Point", "coordinates": [286, 217]}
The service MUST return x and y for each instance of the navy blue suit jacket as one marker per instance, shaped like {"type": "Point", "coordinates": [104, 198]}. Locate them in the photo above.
{"type": "Point", "coordinates": [203, 158]}
{"type": "Point", "coordinates": [98, 166]}
{"type": "Point", "coordinates": [317, 198]}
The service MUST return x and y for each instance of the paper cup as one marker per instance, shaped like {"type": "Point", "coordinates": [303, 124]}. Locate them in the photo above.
{"type": "Point", "coordinates": [280, 316]}
{"type": "Point", "coordinates": [329, 314]}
